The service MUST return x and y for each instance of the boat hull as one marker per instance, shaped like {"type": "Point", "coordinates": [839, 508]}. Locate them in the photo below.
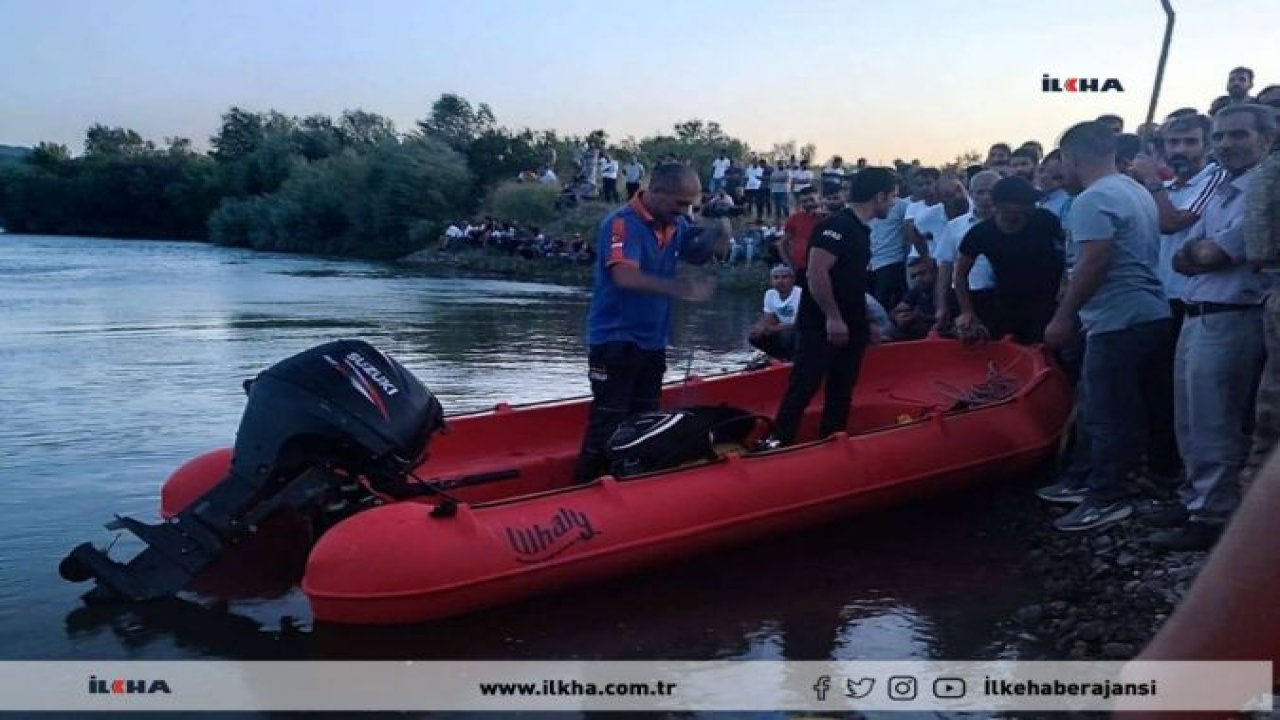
{"type": "Point", "coordinates": [403, 563]}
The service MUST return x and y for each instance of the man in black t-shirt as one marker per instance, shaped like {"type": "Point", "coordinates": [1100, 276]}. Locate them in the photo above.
{"type": "Point", "coordinates": [1025, 246]}
{"type": "Point", "coordinates": [831, 326]}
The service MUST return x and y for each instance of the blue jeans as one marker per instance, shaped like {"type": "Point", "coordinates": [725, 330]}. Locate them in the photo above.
{"type": "Point", "coordinates": [781, 204]}
{"type": "Point", "coordinates": [1123, 403]}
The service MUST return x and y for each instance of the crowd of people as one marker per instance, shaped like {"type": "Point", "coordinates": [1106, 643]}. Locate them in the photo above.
{"type": "Point", "coordinates": [515, 239]}
{"type": "Point", "coordinates": [1124, 253]}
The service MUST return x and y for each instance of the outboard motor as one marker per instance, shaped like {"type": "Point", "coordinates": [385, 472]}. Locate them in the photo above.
{"type": "Point", "coordinates": [313, 424]}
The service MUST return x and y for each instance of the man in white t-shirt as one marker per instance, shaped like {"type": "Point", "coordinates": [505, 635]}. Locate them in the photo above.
{"type": "Point", "coordinates": [833, 176]}
{"type": "Point", "coordinates": [1054, 197]}
{"type": "Point", "coordinates": [801, 178]}
{"type": "Point", "coordinates": [924, 205]}
{"type": "Point", "coordinates": [609, 177]}
{"type": "Point", "coordinates": [774, 333]}
{"type": "Point", "coordinates": [982, 278]}
{"type": "Point", "coordinates": [755, 185]}
{"type": "Point", "coordinates": [718, 168]}
{"type": "Point", "coordinates": [453, 235]}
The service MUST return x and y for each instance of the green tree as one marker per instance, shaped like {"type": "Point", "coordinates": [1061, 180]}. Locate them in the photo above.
{"type": "Point", "coordinates": [373, 204]}
{"type": "Point", "coordinates": [317, 137]}
{"type": "Point", "coordinates": [694, 141]}
{"type": "Point", "coordinates": [48, 156]}
{"type": "Point", "coordinates": [102, 141]}
{"type": "Point", "coordinates": [358, 128]}
{"type": "Point", "coordinates": [240, 133]}
{"type": "Point", "coordinates": [455, 121]}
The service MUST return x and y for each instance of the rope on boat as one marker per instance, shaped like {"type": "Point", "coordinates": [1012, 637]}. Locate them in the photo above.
{"type": "Point", "coordinates": [999, 385]}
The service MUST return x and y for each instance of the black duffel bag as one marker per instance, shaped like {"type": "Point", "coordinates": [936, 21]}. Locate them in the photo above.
{"type": "Point", "coordinates": [652, 441]}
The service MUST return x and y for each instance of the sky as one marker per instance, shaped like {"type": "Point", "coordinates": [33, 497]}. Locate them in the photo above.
{"type": "Point", "coordinates": [923, 79]}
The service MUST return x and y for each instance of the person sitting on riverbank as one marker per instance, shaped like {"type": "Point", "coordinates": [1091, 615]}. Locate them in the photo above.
{"type": "Point", "coordinates": [746, 246]}
{"type": "Point", "coordinates": [774, 333]}
{"type": "Point", "coordinates": [913, 317]}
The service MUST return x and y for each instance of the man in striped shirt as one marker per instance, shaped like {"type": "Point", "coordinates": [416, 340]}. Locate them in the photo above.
{"type": "Point", "coordinates": [1180, 202]}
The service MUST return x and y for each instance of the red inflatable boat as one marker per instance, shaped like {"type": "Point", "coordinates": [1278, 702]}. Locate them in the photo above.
{"type": "Point", "coordinates": [927, 417]}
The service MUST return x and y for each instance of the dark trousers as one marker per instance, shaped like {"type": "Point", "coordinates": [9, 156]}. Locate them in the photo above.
{"type": "Point", "coordinates": [763, 204]}
{"type": "Point", "coordinates": [632, 189]}
{"type": "Point", "coordinates": [1123, 403]}
{"type": "Point", "coordinates": [816, 360]}
{"type": "Point", "coordinates": [624, 380]}
{"type": "Point", "coordinates": [610, 186]}
{"type": "Point", "coordinates": [889, 284]}
{"type": "Point", "coordinates": [1164, 457]}
{"type": "Point", "coordinates": [1025, 318]}
{"type": "Point", "coordinates": [781, 205]}
{"type": "Point", "coordinates": [780, 344]}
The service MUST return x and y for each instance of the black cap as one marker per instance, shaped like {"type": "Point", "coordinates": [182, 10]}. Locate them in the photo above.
{"type": "Point", "coordinates": [1014, 190]}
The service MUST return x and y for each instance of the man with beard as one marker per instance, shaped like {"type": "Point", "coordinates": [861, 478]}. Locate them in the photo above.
{"type": "Point", "coordinates": [832, 324]}
{"type": "Point", "coordinates": [1025, 247]}
{"type": "Point", "coordinates": [1220, 348]}
{"type": "Point", "coordinates": [798, 230]}
{"type": "Point", "coordinates": [1023, 164]}
{"type": "Point", "coordinates": [998, 157]}
{"type": "Point", "coordinates": [1180, 201]}
{"type": "Point", "coordinates": [914, 316]}
{"type": "Point", "coordinates": [924, 217]}
{"type": "Point", "coordinates": [1113, 292]}
{"type": "Point", "coordinates": [1053, 197]}
{"type": "Point", "coordinates": [1239, 83]}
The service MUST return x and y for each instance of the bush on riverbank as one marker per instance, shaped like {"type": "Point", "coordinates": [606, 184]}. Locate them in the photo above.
{"type": "Point", "coordinates": [379, 204]}
{"type": "Point", "coordinates": [523, 203]}
{"type": "Point", "coordinates": [351, 185]}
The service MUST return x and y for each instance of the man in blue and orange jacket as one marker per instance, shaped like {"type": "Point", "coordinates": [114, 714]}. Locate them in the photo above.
{"type": "Point", "coordinates": [629, 325]}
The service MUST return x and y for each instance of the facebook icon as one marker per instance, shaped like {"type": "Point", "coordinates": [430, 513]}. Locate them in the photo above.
{"type": "Point", "coordinates": [822, 687]}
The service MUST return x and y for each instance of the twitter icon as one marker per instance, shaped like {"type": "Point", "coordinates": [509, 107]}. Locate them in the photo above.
{"type": "Point", "coordinates": [859, 689]}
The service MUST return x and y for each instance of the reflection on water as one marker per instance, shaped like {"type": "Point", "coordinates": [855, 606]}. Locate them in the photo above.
{"type": "Point", "coordinates": [124, 358]}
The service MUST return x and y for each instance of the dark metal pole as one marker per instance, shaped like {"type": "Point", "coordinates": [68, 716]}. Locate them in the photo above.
{"type": "Point", "coordinates": [1164, 57]}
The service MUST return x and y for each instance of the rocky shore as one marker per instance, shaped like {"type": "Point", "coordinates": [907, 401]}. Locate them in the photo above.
{"type": "Point", "coordinates": [1102, 595]}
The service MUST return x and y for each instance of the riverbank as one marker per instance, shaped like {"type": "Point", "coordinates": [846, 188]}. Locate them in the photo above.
{"type": "Point", "coordinates": [739, 278]}
{"type": "Point", "coordinates": [1099, 595]}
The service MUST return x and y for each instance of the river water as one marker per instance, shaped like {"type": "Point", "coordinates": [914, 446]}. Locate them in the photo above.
{"type": "Point", "coordinates": [121, 359]}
